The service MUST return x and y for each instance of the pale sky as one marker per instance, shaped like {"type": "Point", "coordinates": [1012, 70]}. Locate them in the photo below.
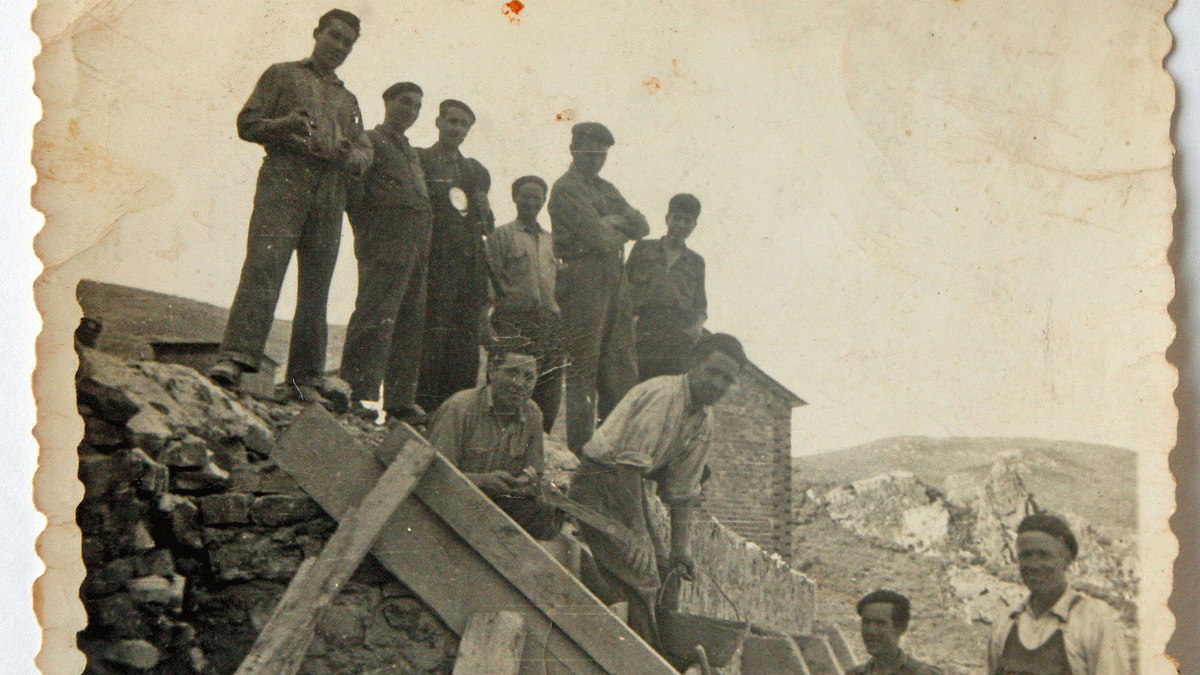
{"type": "Point", "coordinates": [931, 217]}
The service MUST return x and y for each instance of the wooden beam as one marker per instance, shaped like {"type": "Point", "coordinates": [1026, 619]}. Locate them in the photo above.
{"type": "Point", "coordinates": [425, 553]}
{"type": "Point", "coordinates": [492, 644]}
{"type": "Point", "coordinates": [280, 647]}
{"type": "Point", "coordinates": [547, 584]}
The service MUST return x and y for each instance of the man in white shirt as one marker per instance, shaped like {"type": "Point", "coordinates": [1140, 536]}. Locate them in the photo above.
{"type": "Point", "coordinates": [1058, 631]}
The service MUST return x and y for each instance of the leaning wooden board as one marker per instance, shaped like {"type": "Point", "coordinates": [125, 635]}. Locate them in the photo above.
{"type": "Point", "coordinates": [461, 554]}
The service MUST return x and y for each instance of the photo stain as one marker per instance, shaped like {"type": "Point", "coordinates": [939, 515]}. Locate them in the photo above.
{"type": "Point", "coordinates": [652, 85]}
{"type": "Point", "coordinates": [565, 116]}
{"type": "Point", "coordinates": [512, 10]}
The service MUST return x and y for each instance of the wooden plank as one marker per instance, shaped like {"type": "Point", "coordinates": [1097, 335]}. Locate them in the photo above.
{"type": "Point", "coordinates": [280, 647]}
{"type": "Point", "coordinates": [418, 547]}
{"type": "Point", "coordinates": [539, 577]}
{"type": "Point", "coordinates": [842, 647]}
{"type": "Point", "coordinates": [492, 644]}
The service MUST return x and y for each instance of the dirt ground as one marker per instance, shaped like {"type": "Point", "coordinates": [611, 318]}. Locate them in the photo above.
{"type": "Point", "coordinates": [845, 567]}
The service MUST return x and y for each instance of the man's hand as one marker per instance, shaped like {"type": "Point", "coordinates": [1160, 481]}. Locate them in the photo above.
{"type": "Point", "coordinates": [493, 484]}
{"type": "Point", "coordinates": [682, 564]}
{"type": "Point", "coordinates": [357, 163]}
{"type": "Point", "coordinates": [641, 557]}
{"type": "Point", "coordinates": [297, 122]}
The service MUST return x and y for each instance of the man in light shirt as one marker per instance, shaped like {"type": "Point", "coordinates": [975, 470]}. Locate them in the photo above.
{"type": "Point", "coordinates": [1058, 631]}
{"type": "Point", "coordinates": [660, 431]}
{"type": "Point", "coordinates": [524, 267]}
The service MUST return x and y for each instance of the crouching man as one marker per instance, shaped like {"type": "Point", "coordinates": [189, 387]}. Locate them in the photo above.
{"type": "Point", "coordinates": [884, 616]}
{"type": "Point", "coordinates": [493, 434]}
{"type": "Point", "coordinates": [660, 431]}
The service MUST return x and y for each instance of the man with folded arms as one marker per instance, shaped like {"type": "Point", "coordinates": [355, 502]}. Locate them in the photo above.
{"type": "Point", "coordinates": [592, 222]}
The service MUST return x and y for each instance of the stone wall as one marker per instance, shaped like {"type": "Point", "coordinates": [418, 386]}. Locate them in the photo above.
{"type": "Point", "coordinates": [191, 534]}
{"type": "Point", "coordinates": [750, 488]}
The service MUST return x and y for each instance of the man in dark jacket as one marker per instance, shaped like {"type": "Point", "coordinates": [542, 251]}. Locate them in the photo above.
{"type": "Point", "coordinates": [389, 212]}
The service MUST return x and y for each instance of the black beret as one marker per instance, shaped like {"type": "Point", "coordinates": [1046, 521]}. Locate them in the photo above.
{"type": "Point", "coordinates": [594, 131]}
{"type": "Point", "coordinates": [400, 88]}
{"type": "Point", "coordinates": [685, 203]}
{"type": "Point", "coordinates": [1054, 526]}
{"type": "Point", "coordinates": [454, 103]}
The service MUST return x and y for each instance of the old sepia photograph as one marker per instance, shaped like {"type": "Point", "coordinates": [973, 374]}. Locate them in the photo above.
{"type": "Point", "coordinates": [609, 338]}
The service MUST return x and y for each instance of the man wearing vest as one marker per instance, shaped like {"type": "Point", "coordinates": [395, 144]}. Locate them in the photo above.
{"type": "Point", "coordinates": [1058, 631]}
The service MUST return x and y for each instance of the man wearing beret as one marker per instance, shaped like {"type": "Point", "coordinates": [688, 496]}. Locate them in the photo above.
{"type": "Point", "coordinates": [390, 215]}
{"type": "Point", "coordinates": [524, 270]}
{"type": "Point", "coordinates": [666, 289]}
{"type": "Point", "coordinates": [591, 223]}
{"type": "Point", "coordinates": [1058, 630]}
{"type": "Point", "coordinates": [457, 285]}
{"type": "Point", "coordinates": [311, 129]}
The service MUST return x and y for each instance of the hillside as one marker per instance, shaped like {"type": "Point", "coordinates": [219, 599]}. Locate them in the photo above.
{"type": "Point", "coordinates": [134, 317]}
{"type": "Point", "coordinates": [1096, 481]}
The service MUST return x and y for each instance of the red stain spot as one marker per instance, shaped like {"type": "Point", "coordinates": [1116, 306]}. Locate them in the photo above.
{"type": "Point", "coordinates": [565, 116]}
{"type": "Point", "coordinates": [512, 10]}
{"type": "Point", "coordinates": [652, 84]}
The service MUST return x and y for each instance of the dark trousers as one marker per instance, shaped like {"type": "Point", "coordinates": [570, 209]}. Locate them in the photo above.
{"type": "Point", "coordinates": [383, 339]}
{"type": "Point", "coordinates": [453, 317]}
{"type": "Point", "coordinates": [541, 328]}
{"type": "Point", "coordinates": [298, 207]}
{"type": "Point", "coordinates": [597, 330]}
{"type": "Point", "coordinates": [662, 343]}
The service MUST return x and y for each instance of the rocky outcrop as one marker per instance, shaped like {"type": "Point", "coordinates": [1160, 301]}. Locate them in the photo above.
{"type": "Point", "coordinates": [894, 509]}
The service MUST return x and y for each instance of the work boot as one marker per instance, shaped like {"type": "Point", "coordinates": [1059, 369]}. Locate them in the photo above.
{"type": "Point", "coordinates": [362, 412]}
{"type": "Point", "coordinates": [225, 373]}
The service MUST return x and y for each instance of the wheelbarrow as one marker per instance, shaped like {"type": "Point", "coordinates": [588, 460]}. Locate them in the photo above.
{"type": "Point", "coordinates": [680, 633]}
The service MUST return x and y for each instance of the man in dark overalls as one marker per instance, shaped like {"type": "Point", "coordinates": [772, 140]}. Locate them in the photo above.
{"type": "Point", "coordinates": [312, 131]}
{"type": "Point", "coordinates": [389, 212]}
{"type": "Point", "coordinates": [457, 285]}
{"type": "Point", "coordinates": [884, 617]}
{"type": "Point", "coordinates": [591, 223]}
{"type": "Point", "coordinates": [1058, 631]}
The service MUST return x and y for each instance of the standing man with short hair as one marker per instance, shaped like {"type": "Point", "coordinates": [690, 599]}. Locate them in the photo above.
{"type": "Point", "coordinates": [390, 215]}
{"type": "Point", "coordinates": [457, 286]}
{"type": "Point", "coordinates": [312, 131]}
{"type": "Point", "coordinates": [884, 617]}
{"type": "Point", "coordinates": [592, 222]}
{"type": "Point", "coordinates": [524, 269]}
{"type": "Point", "coordinates": [660, 431]}
{"type": "Point", "coordinates": [1058, 630]}
{"type": "Point", "coordinates": [666, 289]}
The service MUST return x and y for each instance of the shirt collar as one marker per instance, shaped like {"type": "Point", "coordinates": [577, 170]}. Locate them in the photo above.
{"type": "Point", "coordinates": [1060, 609]}
{"type": "Point", "coordinates": [329, 77]}
{"type": "Point", "coordinates": [896, 668]}
{"type": "Point", "coordinates": [399, 138]}
{"type": "Point", "coordinates": [536, 228]}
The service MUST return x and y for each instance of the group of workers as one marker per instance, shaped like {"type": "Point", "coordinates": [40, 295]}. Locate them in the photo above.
{"type": "Point", "coordinates": [437, 279]}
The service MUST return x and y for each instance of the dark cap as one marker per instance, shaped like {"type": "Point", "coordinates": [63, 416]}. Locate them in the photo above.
{"type": "Point", "coordinates": [454, 103]}
{"type": "Point", "coordinates": [593, 130]}
{"type": "Point", "coordinates": [1054, 526]}
{"type": "Point", "coordinates": [400, 88]}
{"type": "Point", "coordinates": [684, 203]}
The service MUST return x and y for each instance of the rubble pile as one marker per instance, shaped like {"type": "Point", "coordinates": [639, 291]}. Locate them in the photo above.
{"type": "Point", "coordinates": [191, 534]}
{"type": "Point", "coordinates": [971, 526]}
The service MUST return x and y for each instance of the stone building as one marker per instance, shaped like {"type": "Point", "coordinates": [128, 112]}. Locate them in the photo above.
{"type": "Point", "coordinates": [750, 489]}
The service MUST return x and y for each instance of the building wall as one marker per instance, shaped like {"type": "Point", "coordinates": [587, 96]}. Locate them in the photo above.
{"type": "Point", "coordinates": [750, 489]}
